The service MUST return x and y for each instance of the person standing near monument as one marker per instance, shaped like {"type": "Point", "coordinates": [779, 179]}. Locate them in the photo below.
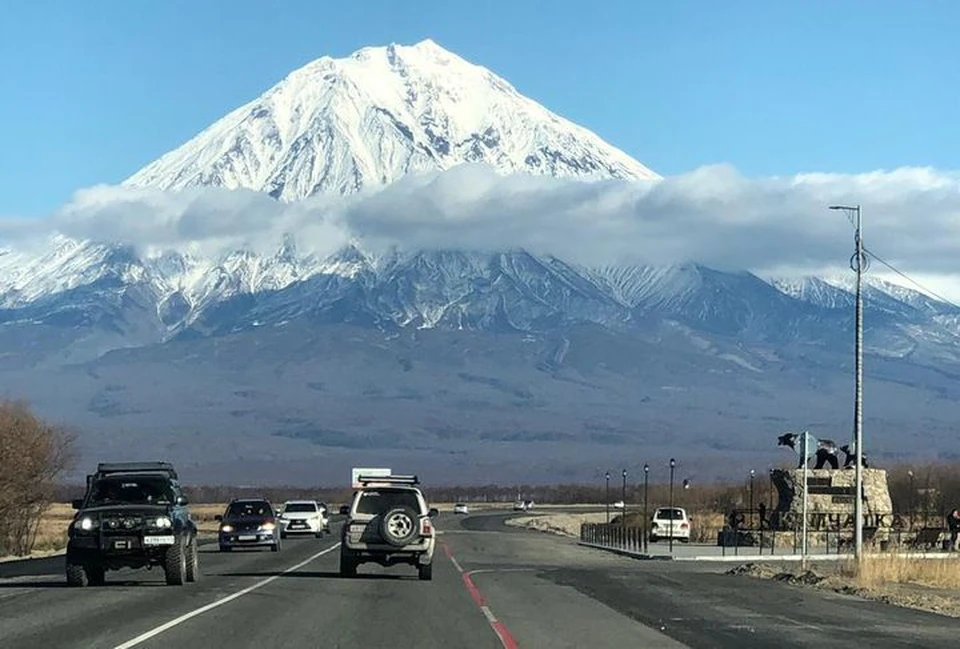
{"type": "Point", "coordinates": [953, 524]}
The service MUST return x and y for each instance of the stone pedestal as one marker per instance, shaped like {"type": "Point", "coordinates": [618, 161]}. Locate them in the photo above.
{"type": "Point", "coordinates": [830, 499]}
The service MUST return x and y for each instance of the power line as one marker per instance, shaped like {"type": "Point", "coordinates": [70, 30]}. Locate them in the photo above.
{"type": "Point", "coordinates": [923, 289]}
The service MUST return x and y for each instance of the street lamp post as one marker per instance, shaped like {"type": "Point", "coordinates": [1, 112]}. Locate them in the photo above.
{"type": "Point", "coordinates": [752, 473]}
{"type": "Point", "coordinates": [673, 464]}
{"type": "Point", "coordinates": [623, 499]}
{"type": "Point", "coordinates": [858, 263]}
{"type": "Point", "coordinates": [646, 482]}
{"type": "Point", "coordinates": [607, 499]}
{"type": "Point", "coordinates": [910, 500]}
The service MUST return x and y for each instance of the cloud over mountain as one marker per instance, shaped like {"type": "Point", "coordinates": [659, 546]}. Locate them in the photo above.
{"type": "Point", "coordinates": [713, 215]}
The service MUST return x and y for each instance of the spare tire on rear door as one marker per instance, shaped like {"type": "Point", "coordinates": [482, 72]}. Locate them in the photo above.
{"type": "Point", "coordinates": [400, 526]}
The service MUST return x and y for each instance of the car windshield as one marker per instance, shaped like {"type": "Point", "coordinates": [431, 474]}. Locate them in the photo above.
{"type": "Point", "coordinates": [133, 490]}
{"type": "Point", "coordinates": [255, 508]}
{"type": "Point", "coordinates": [299, 507]}
{"type": "Point", "coordinates": [670, 514]}
{"type": "Point", "coordinates": [379, 501]}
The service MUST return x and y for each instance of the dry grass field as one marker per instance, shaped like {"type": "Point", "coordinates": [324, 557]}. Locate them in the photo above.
{"type": "Point", "coordinates": [878, 570]}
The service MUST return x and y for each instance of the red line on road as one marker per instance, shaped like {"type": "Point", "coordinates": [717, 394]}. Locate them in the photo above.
{"type": "Point", "coordinates": [503, 633]}
{"type": "Point", "coordinates": [473, 590]}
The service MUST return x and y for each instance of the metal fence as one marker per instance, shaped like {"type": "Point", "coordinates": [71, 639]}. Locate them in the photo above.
{"type": "Point", "coordinates": [829, 537]}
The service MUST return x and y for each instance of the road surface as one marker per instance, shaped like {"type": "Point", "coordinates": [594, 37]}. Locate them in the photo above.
{"type": "Point", "coordinates": [493, 586]}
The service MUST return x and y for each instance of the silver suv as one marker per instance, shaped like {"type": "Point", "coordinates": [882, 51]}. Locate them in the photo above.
{"type": "Point", "coordinates": [388, 523]}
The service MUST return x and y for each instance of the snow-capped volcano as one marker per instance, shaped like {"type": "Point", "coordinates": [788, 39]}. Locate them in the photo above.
{"type": "Point", "coordinates": [338, 125]}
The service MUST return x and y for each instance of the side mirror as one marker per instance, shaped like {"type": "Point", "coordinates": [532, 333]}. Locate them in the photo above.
{"type": "Point", "coordinates": [433, 512]}
{"type": "Point", "coordinates": [181, 500]}
{"type": "Point", "coordinates": [345, 510]}
{"type": "Point", "coordinates": [77, 504]}
{"type": "Point", "coordinates": [218, 517]}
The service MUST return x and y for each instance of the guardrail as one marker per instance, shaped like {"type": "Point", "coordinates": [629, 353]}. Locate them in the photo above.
{"type": "Point", "coordinates": [758, 542]}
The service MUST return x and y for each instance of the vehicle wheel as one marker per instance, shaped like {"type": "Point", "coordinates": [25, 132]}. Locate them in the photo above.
{"type": "Point", "coordinates": [654, 539]}
{"type": "Point", "coordinates": [96, 575]}
{"type": "Point", "coordinates": [225, 548]}
{"type": "Point", "coordinates": [275, 547]}
{"type": "Point", "coordinates": [77, 575]}
{"type": "Point", "coordinates": [425, 571]}
{"type": "Point", "coordinates": [175, 564]}
{"type": "Point", "coordinates": [283, 535]}
{"type": "Point", "coordinates": [399, 526]}
{"type": "Point", "coordinates": [348, 565]}
{"type": "Point", "coordinates": [684, 540]}
{"type": "Point", "coordinates": [319, 534]}
{"type": "Point", "coordinates": [193, 561]}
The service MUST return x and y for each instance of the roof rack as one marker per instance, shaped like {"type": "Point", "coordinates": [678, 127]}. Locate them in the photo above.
{"type": "Point", "coordinates": [105, 468]}
{"type": "Point", "coordinates": [388, 479]}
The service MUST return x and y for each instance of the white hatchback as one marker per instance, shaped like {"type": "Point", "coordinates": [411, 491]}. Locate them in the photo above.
{"type": "Point", "coordinates": [670, 522]}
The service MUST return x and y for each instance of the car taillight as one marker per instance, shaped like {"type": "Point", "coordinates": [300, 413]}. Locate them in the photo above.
{"type": "Point", "coordinates": [684, 526]}
{"type": "Point", "coordinates": [426, 528]}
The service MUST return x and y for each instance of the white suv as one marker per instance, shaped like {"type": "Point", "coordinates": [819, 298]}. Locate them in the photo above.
{"type": "Point", "coordinates": [670, 522]}
{"type": "Point", "coordinates": [303, 517]}
{"type": "Point", "coordinates": [388, 523]}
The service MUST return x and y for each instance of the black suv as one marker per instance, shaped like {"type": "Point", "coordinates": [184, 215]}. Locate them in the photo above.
{"type": "Point", "coordinates": [133, 515]}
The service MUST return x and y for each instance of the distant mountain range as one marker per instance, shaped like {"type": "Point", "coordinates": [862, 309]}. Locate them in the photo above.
{"type": "Point", "coordinates": [501, 365]}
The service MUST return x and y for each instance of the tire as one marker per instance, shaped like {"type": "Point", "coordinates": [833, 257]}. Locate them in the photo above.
{"type": "Point", "coordinates": [275, 547]}
{"type": "Point", "coordinates": [283, 535]}
{"type": "Point", "coordinates": [175, 564]}
{"type": "Point", "coordinates": [96, 575]}
{"type": "Point", "coordinates": [348, 565]}
{"type": "Point", "coordinates": [400, 526]}
{"type": "Point", "coordinates": [318, 535]}
{"type": "Point", "coordinates": [77, 575]}
{"type": "Point", "coordinates": [687, 540]}
{"type": "Point", "coordinates": [425, 571]}
{"type": "Point", "coordinates": [193, 561]}
{"type": "Point", "coordinates": [654, 539]}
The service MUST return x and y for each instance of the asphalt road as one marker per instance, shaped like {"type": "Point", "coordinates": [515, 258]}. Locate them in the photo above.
{"type": "Point", "coordinates": [493, 587]}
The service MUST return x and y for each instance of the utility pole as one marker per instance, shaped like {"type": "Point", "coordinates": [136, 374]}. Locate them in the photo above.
{"type": "Point", "coordinates": [858, 263]}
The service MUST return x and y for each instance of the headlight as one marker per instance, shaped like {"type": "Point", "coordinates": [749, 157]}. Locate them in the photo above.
{"type": "Point", "coordinates": [226, 527]}
{"type": "Point", "coordinates": [87, 523]}
{"type": "Point", "coordinates": [163, 522]}
{"type": "Point", "coordinates": [268, 527]}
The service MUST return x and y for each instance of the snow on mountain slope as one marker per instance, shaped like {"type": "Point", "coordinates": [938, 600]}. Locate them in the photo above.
{"type": "Point", "coordinates": [62, 265]}
{"type": "Point", "coordinates": [339, 125]}
{"type": "Point", "coordinates": [838, 291]}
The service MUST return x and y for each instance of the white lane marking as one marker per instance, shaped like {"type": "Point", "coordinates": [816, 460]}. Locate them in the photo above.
{"type": "Point", "coordinates": [487, 613]}
{"type": "Point", "coordinates": [456, 564]}
{"type": "Point", "coordinates": [798, 622]}
{"type": "Point", "coordinates": [143, 637]}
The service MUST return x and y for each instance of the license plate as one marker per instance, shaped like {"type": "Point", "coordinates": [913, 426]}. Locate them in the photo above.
{"type": "Point", "coordinates": [247, 537]}
{"type": "Point", "coordinates": [158, 540]}
{"type": "Point", "coordinates": [298, 526]}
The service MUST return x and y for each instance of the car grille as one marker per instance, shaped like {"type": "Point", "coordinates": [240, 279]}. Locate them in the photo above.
{"type": "Point", "coordinates": [121, 524]}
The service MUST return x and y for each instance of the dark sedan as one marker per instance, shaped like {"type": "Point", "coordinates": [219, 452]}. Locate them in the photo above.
{"type": "Point", "coordinates": [249, 522]}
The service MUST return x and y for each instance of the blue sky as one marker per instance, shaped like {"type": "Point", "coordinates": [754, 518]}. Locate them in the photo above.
{"type": "Point", "coordinates": [92, 91]}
